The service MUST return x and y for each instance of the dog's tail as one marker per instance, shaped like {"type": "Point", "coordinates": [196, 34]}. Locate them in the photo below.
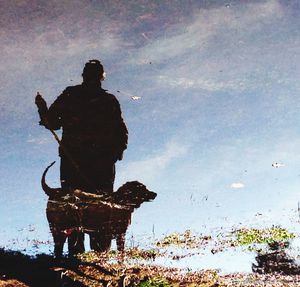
{"type": "Point", "coordinates": [51, 192]}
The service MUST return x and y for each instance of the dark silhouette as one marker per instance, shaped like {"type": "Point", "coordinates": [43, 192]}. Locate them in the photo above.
{"type": "Point", "coordinates": [94, 136]}
{"type": "Point", "coordinates": [276, 260]}
{"type": "Point", "coordinates": [44, 270]}
{"type": "Point", "coordinates": [94, 133]}
{"type": "Point", "coordinates": [104, 217]}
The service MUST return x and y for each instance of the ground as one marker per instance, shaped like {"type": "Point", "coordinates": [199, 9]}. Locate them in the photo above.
{"type": "Point", "coordinates": [138, 267]}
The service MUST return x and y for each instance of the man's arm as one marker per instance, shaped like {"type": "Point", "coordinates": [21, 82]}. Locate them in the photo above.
{"type": "Point", "coordinates": [121, 132]}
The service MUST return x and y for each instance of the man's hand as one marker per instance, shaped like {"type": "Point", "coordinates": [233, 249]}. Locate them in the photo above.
{"type": "Point", "coordinates": [42, 108]}
{"type": "Point", "coordinates": [40, 102]}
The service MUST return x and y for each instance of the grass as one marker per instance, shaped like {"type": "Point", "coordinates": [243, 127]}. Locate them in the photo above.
{"type": "Point", "coordinates": [268, 235]}
{"type": "Point", "coordinates": [186, 240]}
{"type": "Point", "coordinates": [136, 267]}
{"type": "Point", "coordinates": [154, 282]}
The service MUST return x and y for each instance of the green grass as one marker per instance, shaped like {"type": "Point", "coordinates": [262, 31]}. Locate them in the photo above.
{"type": "Point", "coordinates": [184, 240]}
{"type": "Point", "coordinates": [154, 282]}
{"type": "Point", "coordinates": [249, 236]}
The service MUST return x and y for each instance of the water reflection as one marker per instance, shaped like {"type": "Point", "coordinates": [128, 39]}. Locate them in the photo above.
{"type": "Point", "coordinates": [276, 260]}
{"type": "Point", "coordinates": [104, 217]}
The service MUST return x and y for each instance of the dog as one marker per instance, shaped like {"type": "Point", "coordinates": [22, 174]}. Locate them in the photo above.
{"type": "Point", "coordinates": [103, 216]}
{"type": "Point", "coordinates": [111, 221]}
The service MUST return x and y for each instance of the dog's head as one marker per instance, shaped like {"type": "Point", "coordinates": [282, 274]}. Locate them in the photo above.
{"type": "Point", "coordinates": [133, 193]}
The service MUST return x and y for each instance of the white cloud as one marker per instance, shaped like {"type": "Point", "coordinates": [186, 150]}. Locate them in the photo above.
{"type": "Point", "coordinates": [44, 59]}
{"type": "Point", "coordinates": [36, 141]}
{"type": "Point", "coordinates": [208, 84]}
{"type": "Point", "coordinates": [221, 48]}
{"type": "Point", "coordinates": [237, 185]}
{"type": "Point", "coordinates": [39, 140]}
{"type": "Point", "coordinates": [55, 44]}
{"type": "Point", "coordinates": [146, 170]}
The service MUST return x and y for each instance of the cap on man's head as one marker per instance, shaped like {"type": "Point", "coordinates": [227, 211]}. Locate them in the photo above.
{"type": "Point", "coordinates": [93, 70]}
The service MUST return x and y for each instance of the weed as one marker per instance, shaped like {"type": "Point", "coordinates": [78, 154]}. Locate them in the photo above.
{"type": "Point", "coordinates": [154, 282]}
{"type": "Point", "coordinates": [186, 239]}
{"type": "Point", "coordinates": [249, 236]}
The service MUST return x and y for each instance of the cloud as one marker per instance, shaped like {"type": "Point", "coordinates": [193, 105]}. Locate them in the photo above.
{"type": "Point", "coordinates": [205, 84]}
{"type": "Point", "coordinates": [41, 140]}
{"type": "Point", "coordinates": [54, 44]}
{"type": "Point", "coordinates": [219, 48]}
{"type": "Point", "coordinates": [237, 185]}
{"type": "Point", "coordinates": [146, 170]}
{"type": "Point", "coordinates": [45, 58]}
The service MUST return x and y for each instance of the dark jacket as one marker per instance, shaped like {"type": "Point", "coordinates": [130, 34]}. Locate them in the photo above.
{"type": "Point", "coordinates": [91, 120]}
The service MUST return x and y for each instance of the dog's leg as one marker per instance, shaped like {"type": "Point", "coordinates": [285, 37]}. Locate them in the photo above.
{"type": "Point", "coordinates": [76, 242]}
{"type": "Point", "coordinates": [59, 239]}
{"type": "Point", "coordinates": [121, 242]}
{"type": "Point", "coordinates": [121, 246]}
{"type": "Point", "coordinates": [100, 242]}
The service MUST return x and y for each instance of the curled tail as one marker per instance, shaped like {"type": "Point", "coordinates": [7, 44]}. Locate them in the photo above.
{"type": "Point", "coordinates": [51, 192]}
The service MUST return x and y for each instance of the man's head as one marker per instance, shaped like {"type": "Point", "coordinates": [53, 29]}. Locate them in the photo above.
{"type": "Point", "coordinates": [93, 71]}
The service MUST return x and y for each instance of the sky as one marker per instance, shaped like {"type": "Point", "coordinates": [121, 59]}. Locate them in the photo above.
{"type": "Point", "coordinates": [218, 87]}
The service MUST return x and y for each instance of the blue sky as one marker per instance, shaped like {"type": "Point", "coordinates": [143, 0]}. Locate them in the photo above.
{"type": "Point", "coordinates": [219, 85]}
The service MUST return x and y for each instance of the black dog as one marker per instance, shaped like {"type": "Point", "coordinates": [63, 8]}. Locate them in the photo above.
{"type": "Point", "coordinates": [103, 217]}
{"type": "Point", "coordinates": [105, 222]}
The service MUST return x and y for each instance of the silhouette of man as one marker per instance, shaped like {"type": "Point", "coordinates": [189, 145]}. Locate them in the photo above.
{"type": "Point", "coordinates": [94, 133]}
{"type": "Point", "coordinates": [93, 139]}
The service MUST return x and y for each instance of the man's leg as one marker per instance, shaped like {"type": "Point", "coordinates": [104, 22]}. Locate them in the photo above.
{"type": "Point", "coordinates": [101, 174]}
{"type": "Point", "coordinates": [66, 173]}
{"type": "Point", "coordinates": [107, 178]}
{"type": "Point", "coordinates": [72, 177]}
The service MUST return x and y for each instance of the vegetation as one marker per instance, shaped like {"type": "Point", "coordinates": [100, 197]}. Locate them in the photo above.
{"type": "Point", "coordinates": [274, 234]}
{"type": "Point", "coordinates": [154, 282]}
{"type": "Point", "coordinates": [186, 239]}
{"type": "Point", "coordinates": [136, 267]}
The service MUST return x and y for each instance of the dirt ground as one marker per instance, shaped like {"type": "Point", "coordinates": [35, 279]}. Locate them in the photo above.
{"type": "Point", "coordinates": [20, 270]}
